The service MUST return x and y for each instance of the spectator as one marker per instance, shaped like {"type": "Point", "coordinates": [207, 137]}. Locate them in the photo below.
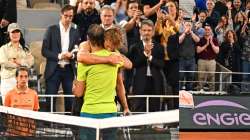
{"type": "Point", "coordinates": [58, 42]}
{"type": "Point", "coordinates": [207, 50]}
{"type": "Point", "coordinates": [187, 41]}
{"type": "Point", "coordinates": [237, 7]}
{"type": "Point", "coordinates": [239, 21]}
{"type": "Point", "coordinates": [245, 39]}
{"type": "Point", "coordinates": [21, 96]}
{"type": "Point", "coordinates": [220, 7]}
{"type": "Point", "coordinates": [167, 26]}
{"type": "Point", "coordinates": [88, 15]}
{"type": "Point", "coordinates": [180, 20]}
{"type": "Point", "coordinates": [98, 94]}
{"type": "Point", "coordinates": [202, 17]}
{"type": "Point", "coordinates": [172, 9]}
{"type": "Point", "coordinates": [171, 70]}
{"type": "Point", "coordinates": [13, 55]}
{"type": "Point", "coordinates": [151, 7]}
{"type": "Point", "coordinates": [120, 9]}
{"type": "Point", "coordinates": [8, 14]}
{"type": "Point", "coordinates": [131, 26]}
{"type": "Point", "coordinates": [147, 57]}
{"type": "Point", "coordinates": [225, 24]}
{"type": "Point", "coordinates": [230, 53]}
{"type": "Point", "coordinates": [107, 14]}
{"type": "Point", "coordinates": [198, 26]}
{"type": "Point", "coordinates": [213, 16]}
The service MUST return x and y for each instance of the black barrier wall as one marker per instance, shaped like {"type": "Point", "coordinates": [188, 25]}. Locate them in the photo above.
{"type": "Point", "coordinates": [210, 113]}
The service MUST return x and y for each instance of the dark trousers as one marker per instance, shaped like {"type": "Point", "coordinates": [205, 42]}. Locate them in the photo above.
{"type": "Point", "coordinates": [64, 76]}
{"type": "Point", "coordinates": [187, 65]}
{"type": "Point", "coordinates": [128, 80]}
{"type": "Point", "coordinates": [154, 103]}
{"type": "Point", "coordinates": [171, 70]}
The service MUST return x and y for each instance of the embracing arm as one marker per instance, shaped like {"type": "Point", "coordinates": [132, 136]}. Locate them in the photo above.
{"type": "Point", "coordinates": [121, 93]}
{"type": "Point", "coordinates": [84, 56]}
{"type": "Point", "coordinates": [127, 63]}
{"type": "Point", "coordinates": [78, 88]}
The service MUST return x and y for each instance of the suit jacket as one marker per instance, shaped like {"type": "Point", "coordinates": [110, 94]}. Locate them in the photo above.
{"type": "Point", "coordinates": [52, 47]}
{"type": "Point", "coordinates": [139, 61]}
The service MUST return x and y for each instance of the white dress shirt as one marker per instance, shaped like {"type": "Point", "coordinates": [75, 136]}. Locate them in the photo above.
{"type": "Point", "coordinates": [64, 42]}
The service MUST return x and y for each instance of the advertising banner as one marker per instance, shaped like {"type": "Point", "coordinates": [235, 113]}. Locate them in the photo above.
{"type": "Point", "coordinates": [216, 113]}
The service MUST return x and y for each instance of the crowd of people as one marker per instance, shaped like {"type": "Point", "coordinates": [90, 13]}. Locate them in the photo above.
{"type": "Point", "coordinates": [217, 32]}
{"type": "Point", "coordinates": [134, 47]}
{"type": "Point", "coordinates": [102, 50]}
{"type": "Point", "coordinates": [144, 28]}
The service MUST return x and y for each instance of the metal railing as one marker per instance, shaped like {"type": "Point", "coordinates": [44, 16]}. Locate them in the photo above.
{"type": "Point", "coordinates": [129, 96]}
{"type": "Point", "coordinates": [222, 79]}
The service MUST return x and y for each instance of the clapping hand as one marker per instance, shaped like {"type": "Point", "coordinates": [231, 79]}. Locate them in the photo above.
{"type": "Point", "coordinates": [229, 5]}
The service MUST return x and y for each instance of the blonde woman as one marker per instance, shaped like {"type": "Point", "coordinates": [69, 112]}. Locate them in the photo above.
{"type": "Point", "coordinates": [166, 27]}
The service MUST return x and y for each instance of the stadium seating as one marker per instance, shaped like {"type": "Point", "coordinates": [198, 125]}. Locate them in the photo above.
{"type": "Point", "coordinates": [35, 21]}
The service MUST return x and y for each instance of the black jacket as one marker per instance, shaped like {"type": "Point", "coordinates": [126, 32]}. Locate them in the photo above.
{"type": "Point", "coordinates": [139, 61]}
{"type": "Point", "coordinates": [83, 22]}
{"type": "Point", "coordinates": [229, 56]}
{"type": "Point", "coordinates": [52, 47]}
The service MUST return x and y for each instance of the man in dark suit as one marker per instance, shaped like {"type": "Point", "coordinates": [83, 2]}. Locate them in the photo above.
{"type": "Point", "coordinates": [8, 14]}
{"type": "Point", "coordinates": [58, 43]}
{"type": "Point", "coordinates": [147, 57]}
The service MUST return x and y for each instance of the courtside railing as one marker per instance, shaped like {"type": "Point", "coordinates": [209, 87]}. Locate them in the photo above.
{"type": "Point", "coordinates": [52, 98]}
{"type": "Point", "coordinates": [223, 79]}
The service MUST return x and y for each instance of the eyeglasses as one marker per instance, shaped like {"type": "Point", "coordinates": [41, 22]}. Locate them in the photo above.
{"type": "Point", "coordinates": [68, 16]}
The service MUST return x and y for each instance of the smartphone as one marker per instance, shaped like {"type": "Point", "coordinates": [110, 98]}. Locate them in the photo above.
{"type": "Point", "coordinates": [164, 9]}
